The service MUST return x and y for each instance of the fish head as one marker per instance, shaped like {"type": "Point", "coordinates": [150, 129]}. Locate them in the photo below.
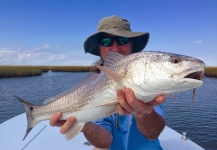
{"type": "Point", "coordinates": [187, 71]}
{"type": "Point", "coordinates": [162, 71]}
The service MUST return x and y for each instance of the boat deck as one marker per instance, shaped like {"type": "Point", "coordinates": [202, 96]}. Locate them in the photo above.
{"type": "Point", "coordinates": [44, 137]}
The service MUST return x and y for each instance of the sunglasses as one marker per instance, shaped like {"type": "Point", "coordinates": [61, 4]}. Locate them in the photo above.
{"type": "Point", "coordinates": [108, 41]}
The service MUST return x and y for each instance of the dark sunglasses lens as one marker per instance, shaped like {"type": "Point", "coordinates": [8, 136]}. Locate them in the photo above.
{"type": "Point", "coordinates": [106, 41]}
{"type": "Point", "coordinates": [123, 40]}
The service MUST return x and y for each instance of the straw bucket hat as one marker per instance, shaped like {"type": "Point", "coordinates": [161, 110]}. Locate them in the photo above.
{"type": "Point", "coordinates": [118, 27]}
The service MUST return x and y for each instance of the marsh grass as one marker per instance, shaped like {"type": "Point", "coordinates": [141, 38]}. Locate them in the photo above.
{"type": "Point", "coordinates": [24, 71]}
{"type": "Point", "coordinates": [211, 71]}
{"type": "Point", "coordinates": [21, 71]}
{"type": "Point", "coordinates": [70, 68]}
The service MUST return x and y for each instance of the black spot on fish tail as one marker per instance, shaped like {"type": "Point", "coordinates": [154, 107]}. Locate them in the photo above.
{"type": "Point", "coordinates": [31, 108]}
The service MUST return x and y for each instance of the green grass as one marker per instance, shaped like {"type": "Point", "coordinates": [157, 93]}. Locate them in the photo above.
{"type": "Point", "coordinates": [25, 71]}
{"type": "Point", "coordinates": [211, 71]}
{"type": "Point", "coordinates": [21, 71]}
{"type": "Point", "coordinates": [70, 68]}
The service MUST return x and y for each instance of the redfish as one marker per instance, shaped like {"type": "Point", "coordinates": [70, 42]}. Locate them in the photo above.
{"type": "Point", "coordinates": [148, 74]}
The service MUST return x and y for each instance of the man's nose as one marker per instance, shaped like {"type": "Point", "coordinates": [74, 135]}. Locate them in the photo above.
{"type": "Point", "coordinates": [115, 47]}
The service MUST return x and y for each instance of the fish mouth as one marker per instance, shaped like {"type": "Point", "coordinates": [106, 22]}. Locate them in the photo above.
{"type": "Point", "coordinates": [195, 75]}
{"type": "Point", "coordinates": [191, 76]}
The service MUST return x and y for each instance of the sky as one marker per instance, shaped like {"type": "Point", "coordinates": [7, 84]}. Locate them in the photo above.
{"type": "Point", "coordinates": [52, 32]}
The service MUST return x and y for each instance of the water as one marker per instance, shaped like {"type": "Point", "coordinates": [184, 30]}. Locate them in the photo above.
{"type": "Point", "coordinates": [34, 89]}
{"type": "Point", "coordinates": [198, 119]}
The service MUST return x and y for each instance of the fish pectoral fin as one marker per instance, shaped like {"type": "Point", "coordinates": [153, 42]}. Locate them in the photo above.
{"type": "Point", "coordinates": [112, 74]}
{"type": "Point", "coordinates": [74, 130]}
{"type": "Point", "coordinates": [113, 102]}
{"type": "Point", "coordinates": [172, 97]}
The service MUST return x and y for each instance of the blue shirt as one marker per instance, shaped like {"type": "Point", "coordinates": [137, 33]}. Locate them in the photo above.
{"type": "Point", "coordinates": [127, 136]}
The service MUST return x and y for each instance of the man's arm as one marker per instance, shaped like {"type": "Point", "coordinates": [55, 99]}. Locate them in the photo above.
{"type": "Point", "coordinates": [97, 136]}
{"type": "Point", "coordinates": [149, 123]}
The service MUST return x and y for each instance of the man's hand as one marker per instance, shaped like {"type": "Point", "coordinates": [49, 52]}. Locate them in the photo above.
{"type": "Point", "coordinates": [129, 104]}
{"type": "Point", "coordinates": [64, 125]}
{"type": "Point", "coordinates": [149, 123]}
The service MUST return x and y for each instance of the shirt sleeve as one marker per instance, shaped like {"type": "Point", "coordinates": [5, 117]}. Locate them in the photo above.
{"type": "Point", "coordinates": [106, 123]}
{"type": "Point", "coordinates": [160, 111]}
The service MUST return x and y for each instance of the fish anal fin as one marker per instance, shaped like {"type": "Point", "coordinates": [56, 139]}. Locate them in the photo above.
{"type": "Point", "coordinates": [112, 74]}
{"type": "Point", "coordinates": [74, 130]}
{"type": "Point", "coordinates": [113, 102]}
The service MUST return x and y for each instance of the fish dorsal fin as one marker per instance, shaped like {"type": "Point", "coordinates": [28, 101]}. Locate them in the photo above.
{"type": "Point", "coordinates": [112, 58]}
{"type": "Point", "coordinates": [114, 75]}
{"type": "Point", "coordinates": [92, 76]}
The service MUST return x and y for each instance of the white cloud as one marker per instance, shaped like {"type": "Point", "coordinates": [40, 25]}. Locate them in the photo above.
{"type": "Point", "coordinates": [199, 41]}
{"type": "Point", "coordinates": [6, 54]}
{"type": "Point", "coordinates": [57, 57]}
{"type": "Point", "coordinates": [45, 46]}
{"type": "Point", "coordinates": [19, 56]}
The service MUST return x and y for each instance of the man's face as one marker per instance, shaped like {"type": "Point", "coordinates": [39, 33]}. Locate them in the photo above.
{"type": "Point", "coordinates": [115, 47]}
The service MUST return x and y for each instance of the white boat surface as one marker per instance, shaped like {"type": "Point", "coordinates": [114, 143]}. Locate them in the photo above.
{"type": "Point", "coordinates": [45, 137]}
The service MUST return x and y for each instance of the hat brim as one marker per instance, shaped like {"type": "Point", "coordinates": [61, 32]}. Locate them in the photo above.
{"type": "Point", "coordinates": [140, 40]}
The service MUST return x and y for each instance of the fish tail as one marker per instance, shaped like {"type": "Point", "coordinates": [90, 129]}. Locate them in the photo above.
{"type": "Point", "coordinates": [31, 122]}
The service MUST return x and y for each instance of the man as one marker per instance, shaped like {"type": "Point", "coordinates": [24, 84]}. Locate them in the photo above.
{"type": "Point", "coordinates": [137, 125]}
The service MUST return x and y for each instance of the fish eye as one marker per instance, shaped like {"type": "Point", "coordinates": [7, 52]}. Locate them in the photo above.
{"type": "Point", "coordinates": [31, 108]}
{"type": "Point", "coordinates": [175, 60]}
